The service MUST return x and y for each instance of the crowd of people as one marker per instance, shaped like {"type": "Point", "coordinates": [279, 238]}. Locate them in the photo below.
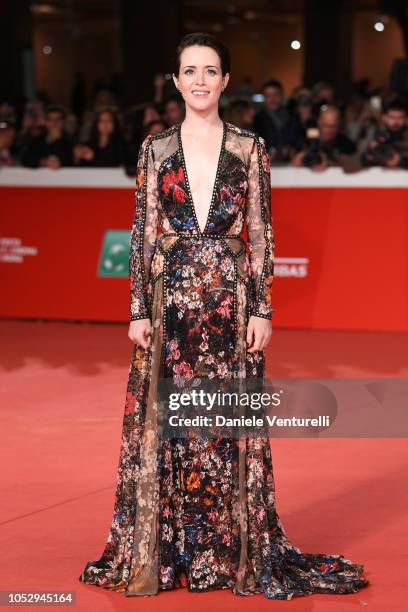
{"type": "Point", "coordinates": [311, 127]}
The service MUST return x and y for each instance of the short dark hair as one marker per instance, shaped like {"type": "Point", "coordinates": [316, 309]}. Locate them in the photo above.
{"type": "Point", "coordinates": [397, 104]}
{"type": "Point", "coordinates": [148, 127]}
{"type": "Point", "coordinates": [236, 108]}
{"type": "Point", "coordinates": [57, 108]}
{"type": "Point", "coordinates": [206, 40]}
{"type": "Point", "coordinates": [173, 98]}
{"type": "Point", "coordinates": [273, 83]}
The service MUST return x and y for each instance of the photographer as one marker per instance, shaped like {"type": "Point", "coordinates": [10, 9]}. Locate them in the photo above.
{"type": "Point", "coordinates": [50, 147]}
{"type": "Point", "coordinates": [279, 127]}
{"type": "Point", "coordinates": [324, 144]}
{"type": "Point", "coordinates": [389, 147]}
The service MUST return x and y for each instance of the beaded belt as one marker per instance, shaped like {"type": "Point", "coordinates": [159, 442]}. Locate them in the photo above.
{"type": "Point", "coordinates": [201, 236]}
{"type": "Point", "coordinates": [161, 241]}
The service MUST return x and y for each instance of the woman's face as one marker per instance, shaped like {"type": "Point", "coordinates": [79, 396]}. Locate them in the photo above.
{"type": "Point", "coordinates": [200, 78]}
{"type": "Point", "coordinates": [150, 114]}
{"type": "Point", "coordinates": [105, 124]}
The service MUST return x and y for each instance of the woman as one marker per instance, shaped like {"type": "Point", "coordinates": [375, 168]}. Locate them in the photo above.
{"type": "Point", "coordinates": [106, 146]}
{"type": "Point", "coordinates": [241, 113]}
{"type": "Point", "coordinates": [201, 512]}
{"type": "Point", "coordinates": [138, 121]}
{"type": "Point", "coordinates": [154, 127]}
{"type": "Point", "coordinates": [141, 116]}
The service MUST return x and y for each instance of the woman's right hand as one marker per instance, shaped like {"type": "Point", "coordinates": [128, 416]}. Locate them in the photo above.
{"type": "Point", "coordinates": [88, 153]}
{"type": "Point", "coordinates": [82, 152]}
{"type": "Point", "coordinates": [140, 332]}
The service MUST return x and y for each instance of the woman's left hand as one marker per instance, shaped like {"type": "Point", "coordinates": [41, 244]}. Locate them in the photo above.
{"type": "Point", "coordinates": [259, 332]}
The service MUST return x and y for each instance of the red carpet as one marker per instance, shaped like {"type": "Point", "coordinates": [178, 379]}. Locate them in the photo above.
{"type": "Point", "coordinates": [62, 397]}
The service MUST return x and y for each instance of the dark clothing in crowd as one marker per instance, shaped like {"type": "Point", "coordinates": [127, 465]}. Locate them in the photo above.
{"type": "Point", "coordinates": [34, 148]}
{"type": "Point", "coordinates": [387, 142]}
{"type": "Point", "coordinates": [280, 128]}
{"type": "Point", "coordinates": [341, 145]}
{"type": "Point", "coordinates": [113, 155]}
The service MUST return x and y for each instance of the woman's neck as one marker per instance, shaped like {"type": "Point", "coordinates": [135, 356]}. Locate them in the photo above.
{"type": "Point", "coordinates": [103, 140]}
{"type": "Point", "coordinates": [195, 123]}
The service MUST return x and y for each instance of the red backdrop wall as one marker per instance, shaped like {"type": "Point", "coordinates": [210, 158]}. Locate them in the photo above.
{"type": "Point", "coordinates": [341, 253]}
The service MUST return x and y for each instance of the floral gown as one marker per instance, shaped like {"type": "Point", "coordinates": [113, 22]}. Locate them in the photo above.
{"type": "Point", "coordinates": [193, 512]}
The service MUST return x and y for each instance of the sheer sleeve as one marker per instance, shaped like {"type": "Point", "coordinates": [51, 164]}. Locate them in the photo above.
{"type": "Point", "coordinates": [260, 232]}
{"type": "Point", "coordinates": [144, 233]}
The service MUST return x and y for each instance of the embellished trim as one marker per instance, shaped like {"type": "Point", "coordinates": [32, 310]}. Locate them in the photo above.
{"type": "Point", "coordinates": [164, 319]}
{"type": "Point", "coordinates": [232, 253]}
{"type": "Point", "coordinates": [156, 278]}
{"type": "Point", "coordinates": [216, 180]}
{"type": "Point", "coordinates": [241, 131]}
{"type": "Point", "coordinates": [234, 300]}
{"type": "Point", "coordinates": [263, 316]}
{"type": "Point", "coordinates": [239, 160]}
{"type": "Point", "coordinates": [260, 145]}
{"type": "Point", "coordinates": [167, 132]}
{"type": "Point", "coordinates": [204, 235]}
{"type": "Point", "coordinates": [140, 239]}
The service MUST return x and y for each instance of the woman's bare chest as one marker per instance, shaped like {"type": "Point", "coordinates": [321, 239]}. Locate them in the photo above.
{"type": "Point", "coordinates": [202, 159]}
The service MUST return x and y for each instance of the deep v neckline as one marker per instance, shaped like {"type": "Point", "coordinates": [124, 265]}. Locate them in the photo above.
{"type": "Point", "coordinates": [187, 182]}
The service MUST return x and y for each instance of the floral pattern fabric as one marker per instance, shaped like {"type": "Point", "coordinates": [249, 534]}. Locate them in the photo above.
{"type": "Point", "coordinates": [194, 512]}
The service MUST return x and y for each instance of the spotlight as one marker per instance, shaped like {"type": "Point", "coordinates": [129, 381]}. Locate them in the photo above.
{"type": "Point", "coordinates": [295, 44]}
{"type": "Point", "coordinates": [379, 26]}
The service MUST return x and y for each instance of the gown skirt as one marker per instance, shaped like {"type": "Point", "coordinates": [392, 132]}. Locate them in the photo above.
{"type": "Point", "coordinates": [201, 512]}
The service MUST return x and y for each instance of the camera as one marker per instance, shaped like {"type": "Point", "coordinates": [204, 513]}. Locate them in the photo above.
{"type": "Point", "coordinates": [312, 156]}
{"type": "Point", "coordinates": [382, 150]}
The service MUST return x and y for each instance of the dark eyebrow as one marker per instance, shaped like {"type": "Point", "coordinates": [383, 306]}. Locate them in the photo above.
{"type": "Point", "coordinates": [210, 66]}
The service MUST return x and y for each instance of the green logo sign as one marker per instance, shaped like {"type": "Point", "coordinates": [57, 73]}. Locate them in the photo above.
{"type": "Point", "coordinates": [114, 257]}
